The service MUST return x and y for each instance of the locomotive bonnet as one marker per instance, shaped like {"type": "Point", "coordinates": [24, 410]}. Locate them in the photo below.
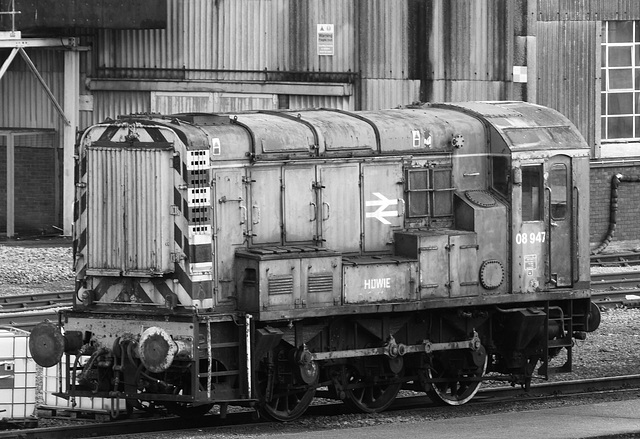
{"type": "Point", "coordinates": [253, 258]}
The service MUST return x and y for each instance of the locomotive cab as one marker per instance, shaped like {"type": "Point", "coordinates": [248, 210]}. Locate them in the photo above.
{"type": "Point", "coordinates": [539, 164]}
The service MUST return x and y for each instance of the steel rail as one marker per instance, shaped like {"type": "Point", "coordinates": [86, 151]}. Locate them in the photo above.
{"type": "Point", "coordinates": [491, 395]}
{"type": "Point", "coordinates": [35, 300]}
{"type": "Point", "coordinates": [623, 259]}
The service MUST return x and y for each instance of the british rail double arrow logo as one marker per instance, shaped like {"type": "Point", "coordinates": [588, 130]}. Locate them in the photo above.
{"type": "Point", "coordinates": [381, 212]}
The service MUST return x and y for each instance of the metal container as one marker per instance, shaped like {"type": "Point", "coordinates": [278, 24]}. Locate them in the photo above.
{"type": "Point", "coordinates": [17, 375]}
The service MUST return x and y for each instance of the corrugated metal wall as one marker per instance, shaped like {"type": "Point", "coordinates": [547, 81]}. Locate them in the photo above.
{"type": "Point", "coordinates": [23, 100]}
{"type": "Point", "coordinates": [232, 35]}
{"type": "Point", "coordinates": [470, 49]}
{"type": "Point", "coordinates": [569, 71]}
{"type": "Point", "coordinates": [588, 10]}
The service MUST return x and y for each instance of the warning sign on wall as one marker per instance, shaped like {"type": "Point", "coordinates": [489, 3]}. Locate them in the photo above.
{"type": "Point", "coordinates": [325, 39]}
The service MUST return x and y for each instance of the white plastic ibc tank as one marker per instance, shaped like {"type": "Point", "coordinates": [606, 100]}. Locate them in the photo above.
{"type": "Point", "coordinates": [17, 375]}
{"type": "Point", "coordinates": [51, 383]}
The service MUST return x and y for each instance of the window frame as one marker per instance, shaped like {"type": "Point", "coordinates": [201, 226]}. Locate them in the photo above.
{"type": "Point", "coordinates": [608, 114]}
{"type": "Point", "coordinates": [430, 192]}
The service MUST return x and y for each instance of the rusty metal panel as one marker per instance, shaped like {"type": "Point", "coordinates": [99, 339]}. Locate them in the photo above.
{"type": "Point", "coordinates": [275, 133]}
{"type": "Point", "coordinates": [120, 207]}
{"type": "Point", "coordinates": [369, 280]}
{"type": "Point", "coordinates": [339, 131]}
{"type": "Point", "coordinates": [568, 72]}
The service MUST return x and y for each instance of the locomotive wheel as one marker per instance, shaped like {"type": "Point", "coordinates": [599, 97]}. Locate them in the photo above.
{"type": "Point", "coordinates": [282, 397]}
{"type": "Point", "coordinates": [459, 386]}
{"type": "Point", "coordinates": [188, 410]}
{"type": "Point", "coordinates": [369, 397]}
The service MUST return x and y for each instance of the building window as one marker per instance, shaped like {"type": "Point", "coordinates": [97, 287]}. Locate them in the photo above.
{"type": "Point", "coordinates": [621, 80]}
{"type": "Point", "coordinates": [429, 193]}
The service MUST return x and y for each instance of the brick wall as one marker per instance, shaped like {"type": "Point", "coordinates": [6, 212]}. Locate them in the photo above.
{"type": "Point", "coordinates": [628, 217]}
{"type": "Point", "coordinates": [35, 190]}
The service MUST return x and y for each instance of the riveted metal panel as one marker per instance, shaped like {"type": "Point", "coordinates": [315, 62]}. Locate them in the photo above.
{"type": "Point", "coordinates": [568, 72]}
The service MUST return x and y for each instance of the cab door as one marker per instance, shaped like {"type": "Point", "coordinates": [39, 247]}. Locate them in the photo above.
{"type": "Point", "coordinates": [560, 216]}
{"type": "Point", "coordinates": [530, 243]}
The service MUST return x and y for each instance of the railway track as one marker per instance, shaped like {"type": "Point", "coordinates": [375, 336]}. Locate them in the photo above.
{"type": "Point", "coordinates": [622, 259]}
{"type": "Point", "coordinates": [26, 311]}
{"type": "Point", "coordinates": [487, 396]}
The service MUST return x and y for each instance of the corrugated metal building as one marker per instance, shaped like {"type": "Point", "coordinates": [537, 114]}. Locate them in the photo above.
{"type": "Point", "coordinates": [231, 55]}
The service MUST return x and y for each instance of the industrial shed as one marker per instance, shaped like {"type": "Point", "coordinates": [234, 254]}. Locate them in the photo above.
{"type": "Point", "coordinates": [81, 62]}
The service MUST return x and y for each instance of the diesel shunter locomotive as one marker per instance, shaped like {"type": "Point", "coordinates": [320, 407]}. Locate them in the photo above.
{"type": "Point", "coordinates": [255, 258]}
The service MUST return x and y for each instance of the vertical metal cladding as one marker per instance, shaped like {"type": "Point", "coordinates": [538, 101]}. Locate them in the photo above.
{"type": "Point", "coordinates": [235, 36]}
{"type": "Point", "coordinates": [470, 40]}
{"type": "Point", "coordinates": [566, 68]}
{"type": "Point", "coordinates": [588, 10]}
{"type": "Point", "coordinates": [384, 39]}
{"type": "Point", "coordinates": [24, 101]}
{"type": "Point", "coordinates": [115, 103]}
{"type": "Point", "coordinates": [129, 194]}
{"type": "Point", "coordinates": [389, 93]}
{"type": "Point", "coordinates": [300, 102]}
{"type": "Point", "coordinates": [304, 16]}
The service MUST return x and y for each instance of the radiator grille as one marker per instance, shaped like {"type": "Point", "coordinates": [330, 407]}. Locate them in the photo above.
{"type": "Point", "coordinates": [321, 283]}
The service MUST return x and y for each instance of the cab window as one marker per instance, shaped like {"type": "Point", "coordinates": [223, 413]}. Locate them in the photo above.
{"type": "Point", "coordinates": [558, 186]}
{"type": "Point", "coordinates": [532, 193]}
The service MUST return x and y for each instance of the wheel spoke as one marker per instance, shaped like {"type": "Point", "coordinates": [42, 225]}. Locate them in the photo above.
{"type": "Point", "coordinates": [372, 398]}
{"type": "Point", "coordinates": [458, 388]}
